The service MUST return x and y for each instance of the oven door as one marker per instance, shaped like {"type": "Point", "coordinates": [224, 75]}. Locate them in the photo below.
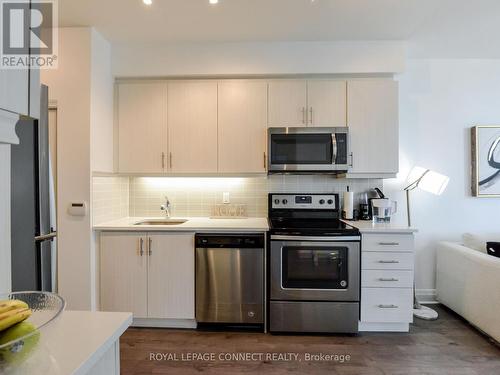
{"type": "Point", "coordinates": [307, 149]}
{"type": "Point", "coordinates": [315, 270]}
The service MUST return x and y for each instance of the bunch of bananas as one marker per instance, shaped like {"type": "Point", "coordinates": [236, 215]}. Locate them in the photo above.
{"type": "Point", "coordinates": [13, 312]}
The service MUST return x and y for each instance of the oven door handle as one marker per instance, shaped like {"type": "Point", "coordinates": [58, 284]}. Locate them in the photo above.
{"type": "Point", "coordinates": [315, 238]}
{"type": "Point", "coordinates": [334, 148]}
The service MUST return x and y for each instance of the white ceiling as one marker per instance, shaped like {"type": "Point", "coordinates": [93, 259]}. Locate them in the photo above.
{"type": "Point", "coordinates": [431, 22]}
{"type": "Point", "coordinates": [248, 20]}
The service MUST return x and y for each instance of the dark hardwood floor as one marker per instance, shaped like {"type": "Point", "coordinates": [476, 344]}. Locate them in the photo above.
{"type": "Point", "coordinates": [446, 346]}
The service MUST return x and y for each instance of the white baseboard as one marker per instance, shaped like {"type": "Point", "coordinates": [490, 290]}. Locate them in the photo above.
{"type": "Point", "coordinates": [164, 323]}
{"type": "Point", "coordinates": [427, 296]}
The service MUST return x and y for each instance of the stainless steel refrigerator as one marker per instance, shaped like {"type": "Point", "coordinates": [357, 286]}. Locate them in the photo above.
{"type": "Point", "coordinates": [33, 227]}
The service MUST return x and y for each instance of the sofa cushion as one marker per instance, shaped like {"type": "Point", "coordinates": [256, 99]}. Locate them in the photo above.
{"type": "Point", "coordinates": [478, 242]}
{"type": "Point", "coordinates": [493, 248]}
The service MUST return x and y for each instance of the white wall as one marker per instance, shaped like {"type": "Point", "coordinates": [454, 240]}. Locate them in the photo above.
{"type": "Point", "coordinates": [82, 87]}
{"type": "Point", "coordinates": [154, 60]}
{"type": "Point", "coordinates": [69, 86]}
{"type": "Point", "coordinates": [439, 101]}
{"type": "Point", "coordinates": [101, 105]}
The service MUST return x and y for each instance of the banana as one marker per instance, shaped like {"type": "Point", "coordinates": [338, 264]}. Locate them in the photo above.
{"type": "Point", "coordinates": [9, 318]}
{"type": "Point", "coordinates": [11, 305]}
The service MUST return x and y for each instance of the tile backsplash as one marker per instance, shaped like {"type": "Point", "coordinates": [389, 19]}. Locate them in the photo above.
{"type": "Point", "coordinates": [117, 197]}
{"type": "Point", "coordinates": [110, 198]}
{"type": "Point", "coordinates": [197, 196]}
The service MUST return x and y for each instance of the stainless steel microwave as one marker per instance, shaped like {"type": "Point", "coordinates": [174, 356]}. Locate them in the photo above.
{"type": "Point", "coordinates": [308, 150]}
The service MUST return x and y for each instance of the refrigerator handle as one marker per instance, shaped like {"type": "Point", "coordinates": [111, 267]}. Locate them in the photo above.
{"type": "Point", "coordinates": [45, 237]}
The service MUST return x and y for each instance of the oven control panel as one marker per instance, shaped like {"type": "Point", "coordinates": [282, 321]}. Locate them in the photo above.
{"type": "Point", "coordinates": [305, 201]}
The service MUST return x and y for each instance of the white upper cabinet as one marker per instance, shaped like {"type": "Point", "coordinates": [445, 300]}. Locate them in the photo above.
{"type": "Point", "coordinates": [209, 126]}
{"type": "Point", "coordinates": [142, 127]}
{"type": "Point", "coordinates": [326, 101]}
{"type": "Point", "coordinates": [287, 103]}
{"type": "Point", "coordinates": [307, 103]}
{"type": "Point", "coordinates": [192, 126]}
{"type": "Point", "coordinates": [242, 126]}
{"type": "Point", "coordinates": [14, 90]}
{"type": "Point", "coordinates": [373, 122]}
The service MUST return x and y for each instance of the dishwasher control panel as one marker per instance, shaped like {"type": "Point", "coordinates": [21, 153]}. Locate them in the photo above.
{"type": "Point", "coordinates": [240, 241]}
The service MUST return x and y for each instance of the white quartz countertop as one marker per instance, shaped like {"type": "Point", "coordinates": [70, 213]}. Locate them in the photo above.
{"type": "Point", "coordinates": [365, 226]}
{"type": "Point", "coordinates": [74, 343]}
{"type": "Point", "coordinates": [251, 224]}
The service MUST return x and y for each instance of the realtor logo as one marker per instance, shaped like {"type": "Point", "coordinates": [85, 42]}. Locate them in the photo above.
{"type": "Point", "coordinates": [28, 34]}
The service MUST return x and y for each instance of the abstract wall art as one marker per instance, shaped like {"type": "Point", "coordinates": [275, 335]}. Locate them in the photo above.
{"type": "Point", "coordinates": [485, 161]}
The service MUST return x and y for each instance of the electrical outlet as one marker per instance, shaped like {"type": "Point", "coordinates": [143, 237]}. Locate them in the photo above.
{"type": "Point", "coordinates": [225, 198]}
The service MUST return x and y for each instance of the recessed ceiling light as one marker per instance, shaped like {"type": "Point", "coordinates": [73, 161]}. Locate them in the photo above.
{"type": "Point", "coordinates": [213, 2]}
{"type": "Point", "coordinates": [147, 2]}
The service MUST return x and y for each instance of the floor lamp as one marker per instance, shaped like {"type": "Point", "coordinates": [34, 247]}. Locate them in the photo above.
{"type": "Point", "coordinates": [434, 183]}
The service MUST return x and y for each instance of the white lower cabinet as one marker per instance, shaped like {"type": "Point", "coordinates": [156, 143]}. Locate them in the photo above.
{"type": "Point", "coordinates": [386, 279]}
{"type": "Point", "coordinates": [124, 276]}
{"type": "Point", "coordinates": [171, 276]}
{"type": "Point", "coordinates": [386, 305]}
{"type": "Point", "coordinates": [387, 264]}
{"type": "Point", "coordinates": [148, 274]}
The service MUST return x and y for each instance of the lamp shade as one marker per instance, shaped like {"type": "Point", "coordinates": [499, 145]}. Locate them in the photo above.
{"type": "Point", "coordinates": [428, 180]}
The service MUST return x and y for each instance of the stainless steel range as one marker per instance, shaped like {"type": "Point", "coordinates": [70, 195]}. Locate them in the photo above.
{"type": "Point", "coordinates": [314, 265]}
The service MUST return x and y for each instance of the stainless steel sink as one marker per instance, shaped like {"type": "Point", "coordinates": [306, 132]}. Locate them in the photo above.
{"type": "Point", "coordinates": [161, 222]}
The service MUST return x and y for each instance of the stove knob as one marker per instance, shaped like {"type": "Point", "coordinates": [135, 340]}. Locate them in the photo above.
{"type": "Point", "coordinates": [321, 201]}
{"type": "Point", "coordinates": [277, 201]}
{"type": "Point", "coordinates": [284, 201]}
{"type": "Point", "coordinates": [330, 201]}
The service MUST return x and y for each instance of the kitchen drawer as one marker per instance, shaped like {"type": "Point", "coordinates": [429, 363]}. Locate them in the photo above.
{"type": "Point", "coordinates": [385, 260]}
{"type": "Point", "coordinates": [386, 279]}
{"type": "Point", "coordinates": [387, 242]}
{"type": "Point", "coordinates": [387, 305]}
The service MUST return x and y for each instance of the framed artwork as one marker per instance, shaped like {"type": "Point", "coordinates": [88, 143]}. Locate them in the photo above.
{"type": "Point", "coordinates": [486, 161]}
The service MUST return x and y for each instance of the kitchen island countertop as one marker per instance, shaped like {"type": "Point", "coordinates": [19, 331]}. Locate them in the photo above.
{"type": "Point", "coordinates": [74, 343]}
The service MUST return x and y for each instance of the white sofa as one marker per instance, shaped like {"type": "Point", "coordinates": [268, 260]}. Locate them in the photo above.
{"type": "Point", "coordinates": [468, 282]}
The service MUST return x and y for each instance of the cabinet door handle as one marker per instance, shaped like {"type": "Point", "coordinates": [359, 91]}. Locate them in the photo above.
{"type": "Point", "coordinates": [388, 306]}
{"type": "Point", "coordinates": [304, 115]}
{"type": "Point", "coordinates": [387, 279]}
{"type": "Point", "coordinates": [311, 112]}
{"type": "Point", "coordinates": [170, 159]}
{"type": "Point", "coordinates": [150, 246]}
{"type": "Point", "coordinates": [141, 246]}
{"type": "Point", "coordinates": [265, 160]}
{"type": "Point", "coordinates": [163, 160]}
{"type": "Point", "coordinates": [388, 261]}
{"type": "Point", "coordinates": [388, 243]}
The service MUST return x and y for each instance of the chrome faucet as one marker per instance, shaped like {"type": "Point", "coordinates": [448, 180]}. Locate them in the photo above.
{"type": "Point", "coordinates": [166, 207]}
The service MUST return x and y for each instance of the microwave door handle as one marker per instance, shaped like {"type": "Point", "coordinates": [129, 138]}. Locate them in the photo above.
{"type": "Point", "coordinates": [334, 148]}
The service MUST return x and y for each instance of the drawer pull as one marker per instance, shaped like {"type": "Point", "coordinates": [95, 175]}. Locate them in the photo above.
{"type": "Point", "coordinates": [388, 306]}
{"type": "Point", "coordinates": [388, 279]}
{"type": "Point", "coordinates": [388, 243]}
{"type": "Point", "coordinates": [388, 261]}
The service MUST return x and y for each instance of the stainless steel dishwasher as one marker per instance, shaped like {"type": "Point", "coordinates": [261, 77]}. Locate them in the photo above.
{"type": "Point", "coordinates": [230, 278]}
